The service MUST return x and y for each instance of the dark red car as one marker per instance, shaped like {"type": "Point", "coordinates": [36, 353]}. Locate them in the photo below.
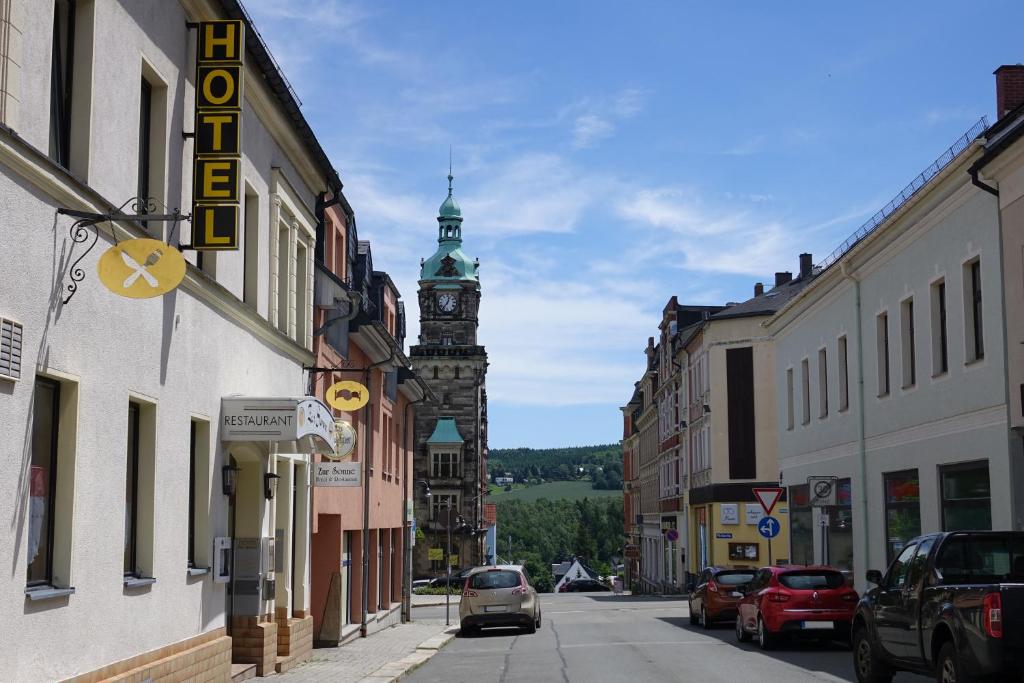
{"type": "Point", "coordinates": [794, 600]}
{"type": "Point", "coordinates": [715, 596]}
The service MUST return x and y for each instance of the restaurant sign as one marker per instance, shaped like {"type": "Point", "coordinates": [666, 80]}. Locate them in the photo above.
{"type": "Point", "coordinates": [336, 474]}
{"type": "Point", "coordinates": [305, 424]}
{"type": "Point", "coordinates": [216, 169]}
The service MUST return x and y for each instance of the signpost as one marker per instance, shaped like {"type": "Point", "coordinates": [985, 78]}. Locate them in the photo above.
{"type": "Point", "coordinates": [823, 496]}
{"type": "Point", "coordinates": [769, 527]}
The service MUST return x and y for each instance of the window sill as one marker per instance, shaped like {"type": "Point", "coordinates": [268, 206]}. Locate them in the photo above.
{"type": "Point", "coordinates": [197, 571]}
{"type": "Point", "coordinates": [138, 581]}
{"type": "Point", "coordinates": [48, 592]}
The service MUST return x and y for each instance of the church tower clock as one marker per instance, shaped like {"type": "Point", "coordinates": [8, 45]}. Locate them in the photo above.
{"type": "Point", "coordinates": [451, 435]}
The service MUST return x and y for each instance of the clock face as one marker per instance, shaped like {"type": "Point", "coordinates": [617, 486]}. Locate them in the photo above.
{"type": "Point", "coordinates": [447, 303]}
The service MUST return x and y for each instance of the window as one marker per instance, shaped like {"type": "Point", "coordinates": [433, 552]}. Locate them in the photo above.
{"type": "Point", "coordinates": [789, 398]}
{"type": "Point", "coordinates": [844, 375]}
{"type": "Point", "coordinates": [940, 343]}
{"type": "Point", "coordinates": [251, 253]}
{"type": "Point", "coordinates": [446, 465]}
{"type": "Point", "coordinates": [907, 343]}
{"type": "Point", "coordinates": [882, 338]}
{"type": "Point", "coordinates": [972, 311]}
{"type": "Point", "coordinates": [303, 306]}
{"type": "Point", "coordinates": [896, 577]}
{"type": "Point", "coordinates": [902, 510]}
{"type": "Point", "coordinates": [491, 580]}
{"type": "Point", "coordinates": [61, 68]}
{"type": "Point", "coordinates": [805, 388]}
{"type": "Point", "coordinates": [801, 525]}
{"type": "Point", "coordinates": [966, 559]}
{"type": "Point", "coordinates": [199, 494]}
{"type": "Point", "coordinates": [283, 277]}
{"type": "Point", "coordinates": [145, 118]}
{"type": "Point", "coordinates": [131, 494]}
{"type": "Point", "coordinates": [822, 383]}
{"type": "Point", "coordinates": [966, 497]}
{"type": "Point", "coordinates": [840, 527]}
{"type": "Point", "coordinates": [812, 579]}
{"type": "Point", "coordinates": [192, 495]}
{"type": "Point", "coordinates": [43, 481]}
{"type": "Point", "coordinates": [446, 339]}
{"type": "Point", "coordinates": [435, 372]}
{"type": "Point", "coordinates": [439, 507]}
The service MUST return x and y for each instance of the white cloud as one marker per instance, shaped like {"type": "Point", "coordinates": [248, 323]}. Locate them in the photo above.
{"type": "Point", "coordinates": [589, 128]}
{"type": "Point", "coordinates": [595, 118]}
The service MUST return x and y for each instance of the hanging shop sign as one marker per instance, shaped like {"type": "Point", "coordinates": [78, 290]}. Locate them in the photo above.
{"type": "Point", "coordinates": [216, 169]}
{"type": "Point", "coordinates": [336, 474]}
{"type": "Point", "coordinates": [302, 425]}
{"type": "Point", "coordinates": [141, 268]}
{"type": "Point", "coordinates": [347, 396]}
{"type": "Point", "coordinates": [345, 440]}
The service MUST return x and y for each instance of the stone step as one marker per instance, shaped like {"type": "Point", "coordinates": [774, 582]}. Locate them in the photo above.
{"type": "Point", "coordinates": [242, 672]}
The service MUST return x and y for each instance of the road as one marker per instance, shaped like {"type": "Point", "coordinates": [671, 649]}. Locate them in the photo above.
{"type": "Point", "coordinates": [605, 637]}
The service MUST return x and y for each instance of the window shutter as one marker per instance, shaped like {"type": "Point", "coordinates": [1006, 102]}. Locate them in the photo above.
{"type": "Point", "coordinates": [10, 349]}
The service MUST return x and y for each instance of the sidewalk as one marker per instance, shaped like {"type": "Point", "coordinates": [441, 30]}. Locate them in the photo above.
{"type": "Point", "coordinates": [426, 600]}
{"type": "Point", "coordinates": [383, 656]}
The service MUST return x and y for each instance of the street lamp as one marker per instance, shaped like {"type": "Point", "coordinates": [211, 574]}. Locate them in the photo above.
{"type": "Point", "coordinates": [270, 485]}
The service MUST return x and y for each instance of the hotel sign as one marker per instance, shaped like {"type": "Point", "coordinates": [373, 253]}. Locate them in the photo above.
{"type": "Point", "coordinates": [304, 422]}
{"type": "Point", "coordinates": [216, 170]}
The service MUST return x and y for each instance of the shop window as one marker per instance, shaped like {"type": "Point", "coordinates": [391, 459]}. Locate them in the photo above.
{"type": "Point", "coordinates": [840, 527]}
{"type": "Point", "coordinates": [966, 497]}
{"type": "Point", "coordinates": [131, 495]}
{"type": "Point", "coordinates": [902, 510]}
{"type": "Point", "coordinates": [199, 537]}
{"type": "Point", "coordinates": [43, 481]}
{"type": "Point", "coordinates": [801, 525]}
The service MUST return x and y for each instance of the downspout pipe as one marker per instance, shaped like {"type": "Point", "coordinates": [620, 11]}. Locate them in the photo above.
{"type": "Point", "coordinates": [977, 182]}
{"type": "Point", "coordinates": [862, 454]}
{"type": "Point", "coordinates": [408, 490]}
{"type": "Point", "coordinates": [367, 459]}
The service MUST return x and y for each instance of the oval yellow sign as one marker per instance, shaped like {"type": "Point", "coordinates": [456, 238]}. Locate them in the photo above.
{"type": "Point", "coordinates": [141, 268]}
{"type": "Point", "coordinates": [347, 395]}
{"type": "Point", "coordinates": [345, 440]}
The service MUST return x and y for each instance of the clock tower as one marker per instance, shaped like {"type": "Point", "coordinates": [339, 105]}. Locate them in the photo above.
{"type": "Point", "coordinates": [451, 435]}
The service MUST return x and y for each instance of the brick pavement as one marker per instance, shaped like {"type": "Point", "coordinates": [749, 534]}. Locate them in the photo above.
{"type": "Point", "coordinates": [392, 649]}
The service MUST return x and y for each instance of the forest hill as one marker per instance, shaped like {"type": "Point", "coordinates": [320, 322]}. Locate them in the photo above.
{"type": "Point", "coordinates": [601, 464]}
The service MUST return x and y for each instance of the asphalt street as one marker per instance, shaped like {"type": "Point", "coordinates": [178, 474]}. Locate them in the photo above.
{"type": "Point", "coordinates": [605, 637]}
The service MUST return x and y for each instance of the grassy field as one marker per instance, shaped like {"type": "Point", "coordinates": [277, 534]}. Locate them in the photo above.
{"type": "Point", "coordinates": [554, 490]}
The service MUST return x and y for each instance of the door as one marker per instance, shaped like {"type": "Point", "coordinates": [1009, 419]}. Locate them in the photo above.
{"type": "Point", "coordinates": [890, 609]}
{"type": "Point", "coordinates": [747, 607]}
{"type": "Point", "coordinates": [699, 592]}
{"type": "Point", "coordinates": [909, 624]}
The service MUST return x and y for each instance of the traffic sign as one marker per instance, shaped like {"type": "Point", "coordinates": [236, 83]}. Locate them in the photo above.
{"type": "Point", "coordinates": [823, 491]}
{"type": "Point", "coordinates": [769, 527]}
{"type": "Point", "coordinates": [768, 497]}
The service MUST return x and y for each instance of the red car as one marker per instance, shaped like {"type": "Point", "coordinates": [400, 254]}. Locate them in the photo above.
{"type": "Point", "coordinates": [795, 600]}
{"type": "Point", "coordinates": [715, 596]}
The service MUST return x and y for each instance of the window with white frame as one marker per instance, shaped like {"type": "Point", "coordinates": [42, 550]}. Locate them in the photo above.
{"type": "Point", "coordinates": [291, 266]}
{"type": "Point", "coordinates": [439, 503]}
{"type": "Point", "coordinates": [908, 343]}
{"type": "Point", "coordinates": [445, 464]}
{"type": "Point", "coordinates": [973, 328]}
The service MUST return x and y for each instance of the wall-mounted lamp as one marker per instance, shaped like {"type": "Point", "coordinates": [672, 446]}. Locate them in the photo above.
{"type": "Point", "coordinates": [707, 408]}
{"type": "Point", "coordinates": [228, 477]}
{"type": "Point", "coordinates": [682, 424]}
{"type": "Point", "coordinates": [270, 485]}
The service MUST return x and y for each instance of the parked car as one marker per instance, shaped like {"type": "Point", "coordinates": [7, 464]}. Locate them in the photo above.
{"type": "Point", "coordinates": [457, 579]}
{"type": "Point", "coordinates": [716, 595]}
{"type": "Point", "coordinates": [795, 601]}
{"type": "Point", "coordinates": [499, 596]}
{"type": "Point", "coordinates": [584, 586]}
{"type": "Point", "coordinates": [950, 605]}
{"type": "Point", "coordinates": [420, 583]}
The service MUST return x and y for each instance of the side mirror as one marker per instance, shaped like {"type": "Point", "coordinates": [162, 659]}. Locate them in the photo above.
{"type": "Point", "coordinates": [874, 576]}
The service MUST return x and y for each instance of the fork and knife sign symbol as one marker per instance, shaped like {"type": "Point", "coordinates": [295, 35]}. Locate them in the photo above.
{"type": "Point", "coordinates": [140, 268]}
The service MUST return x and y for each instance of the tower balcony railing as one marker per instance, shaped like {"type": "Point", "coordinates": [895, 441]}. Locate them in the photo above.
{"type": "Point", "coordinates": [423, 350]}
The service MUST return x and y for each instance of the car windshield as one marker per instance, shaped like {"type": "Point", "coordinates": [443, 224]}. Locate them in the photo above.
{"type": "Point", "coordinates": [811, 580]}
{"type": "Point", "coordinates": [734, 578]}
{"type": "Point", "coordinates": [495, 579]}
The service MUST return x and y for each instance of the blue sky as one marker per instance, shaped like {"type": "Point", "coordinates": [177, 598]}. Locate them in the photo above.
{"type": "Point", "coordinates": [608, 156]}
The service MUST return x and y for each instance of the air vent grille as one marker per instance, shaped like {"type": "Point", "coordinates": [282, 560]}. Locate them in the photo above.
{"type": "Point", "coordinates": [10, 349]}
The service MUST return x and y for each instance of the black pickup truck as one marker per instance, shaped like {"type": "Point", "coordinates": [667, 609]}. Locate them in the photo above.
{"type": "Point", "coordinates": [951, 605]}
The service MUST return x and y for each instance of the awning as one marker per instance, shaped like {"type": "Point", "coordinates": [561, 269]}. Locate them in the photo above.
{"type": "Point", "coordinates": [296, 425]}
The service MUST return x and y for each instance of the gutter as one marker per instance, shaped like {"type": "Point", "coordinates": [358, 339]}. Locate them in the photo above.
{"type": "Point", "coordinates": [406, 528]}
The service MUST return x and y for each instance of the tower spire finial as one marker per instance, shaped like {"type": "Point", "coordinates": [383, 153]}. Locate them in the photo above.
{"type": "Point", "coordinates": [450, 176]}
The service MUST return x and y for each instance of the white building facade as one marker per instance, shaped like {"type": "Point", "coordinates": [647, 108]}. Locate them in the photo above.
{"type": "Point", "coordinates": [890, 377]}
{"type": "Point", "coordinates": [122, 474]}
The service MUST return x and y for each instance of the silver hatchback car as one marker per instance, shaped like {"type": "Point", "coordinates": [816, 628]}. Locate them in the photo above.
{"type": "Point", "coordinates": [499, 596]}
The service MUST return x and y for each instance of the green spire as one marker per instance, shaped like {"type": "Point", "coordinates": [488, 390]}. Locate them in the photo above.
{"type": "Point", "coordinates": [450, 208]}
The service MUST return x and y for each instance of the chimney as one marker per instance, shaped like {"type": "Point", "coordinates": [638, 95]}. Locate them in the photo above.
{"type": "Point", "coordinates": [782, 278]}
{"type": "Point", "coordinates": [805, 265]}
{"type": "Point", "coordinates": [1009, 88]}
{"type": "Point", "coordinates": [758, 289]}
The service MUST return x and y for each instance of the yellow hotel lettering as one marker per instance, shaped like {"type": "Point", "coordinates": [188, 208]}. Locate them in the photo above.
{"type": "Point", "coordinates": [216, 169]}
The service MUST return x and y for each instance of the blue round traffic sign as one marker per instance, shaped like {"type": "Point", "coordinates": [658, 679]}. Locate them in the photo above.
{"type": "Point", "coordinates": [769, 527]}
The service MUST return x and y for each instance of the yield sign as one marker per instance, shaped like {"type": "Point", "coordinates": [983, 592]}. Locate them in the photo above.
{"type": "Point", "coordinates": [768, 497]}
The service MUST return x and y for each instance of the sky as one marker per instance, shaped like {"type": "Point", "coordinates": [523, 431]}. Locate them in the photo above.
{"type": "Point", "coordinates": [610, 155]}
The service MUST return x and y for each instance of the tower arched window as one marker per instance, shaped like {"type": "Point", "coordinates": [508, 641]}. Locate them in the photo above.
{"type": "Point", "coordinates": [456, 372]}
{"type": "Point", "coordinates": [435, 372]}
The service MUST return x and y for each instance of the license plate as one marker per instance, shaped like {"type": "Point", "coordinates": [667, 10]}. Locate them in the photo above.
{"type": "Point", "coordinates": [819, 624]}
{"type": "Point", "coordinates": [495, 608]}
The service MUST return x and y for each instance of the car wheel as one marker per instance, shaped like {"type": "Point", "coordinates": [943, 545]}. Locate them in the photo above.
{"type": "Point", "coordinates": [693, 617]}
{"type": "Point", "coordinates": [705, 621]}
{"type": "Point", "coordinates": [766, 640]}
{"type": "Point", "coordinates": [950, 669]}
{"type": "Point", "coordinates": [531, 628]}
{"type": "Point", "coordinates": [866, 663]}
{"type": "Point", "coordinates": [467, 631]}
{"type": "Point", "coordinates": [741, 633]}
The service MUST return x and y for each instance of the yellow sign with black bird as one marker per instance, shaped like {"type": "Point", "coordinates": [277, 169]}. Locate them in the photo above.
{"type": "Point", "coordinates": [347, 395]}
{"type": "Point", "coordinates": [141, 268]}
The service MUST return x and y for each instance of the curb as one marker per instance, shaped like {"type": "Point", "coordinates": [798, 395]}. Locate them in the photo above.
{"type": "Point", "coordinates": [406, 665]}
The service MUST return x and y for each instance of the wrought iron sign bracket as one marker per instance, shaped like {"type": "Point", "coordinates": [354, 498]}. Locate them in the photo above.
{"type": "Point", "coordinates": [143, 211]}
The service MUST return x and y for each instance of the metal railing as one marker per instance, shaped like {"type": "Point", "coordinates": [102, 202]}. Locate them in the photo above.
{"type": "Point", "coordinates": [259, 37]}
{"type": "Point", "coordinates": [915, 185]}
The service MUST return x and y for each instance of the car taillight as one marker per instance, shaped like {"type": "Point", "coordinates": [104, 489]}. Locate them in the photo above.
{"type": "Point", "coordinates": [467, 593]}
{"type": "Point", "coordinates": [778, 597]}
{"type": "Point", "coordinates": [521, 590]}
{"type": "Point", "coordinates": [712, 586]}
{"type": "Point", "coordinates": [992, 615]}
